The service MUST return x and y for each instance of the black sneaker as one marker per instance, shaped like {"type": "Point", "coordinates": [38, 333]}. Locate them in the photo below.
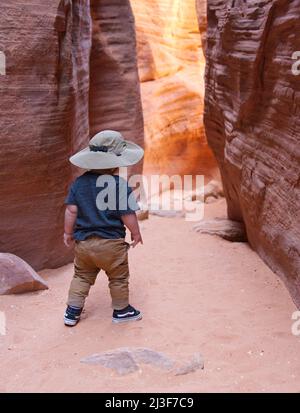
{"type": "Point", "coordinates": [128, 313]}
{"type": "Point", "coordinates": [72, 316]}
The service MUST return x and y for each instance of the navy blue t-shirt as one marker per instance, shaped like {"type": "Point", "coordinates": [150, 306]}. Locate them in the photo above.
{"type": "Point", "coordinates": [101, 201]}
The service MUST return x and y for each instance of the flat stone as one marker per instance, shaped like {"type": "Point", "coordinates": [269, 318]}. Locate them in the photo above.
{"type": "Point", "coordinates": [147, 356]}
{"type": "Point", "coordinates": [119, 360]}
{"type": "Point", "coordinates": [127, 360]}
{"type": "Point", "coordinates": [230, 230]}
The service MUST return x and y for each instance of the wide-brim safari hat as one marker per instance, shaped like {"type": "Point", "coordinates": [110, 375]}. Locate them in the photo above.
{"type": "Point", "coordinates": [108, 149]}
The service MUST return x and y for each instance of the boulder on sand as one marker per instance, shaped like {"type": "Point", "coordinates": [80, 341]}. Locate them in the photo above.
{"type": "Point", "coordinates": [16, 276]}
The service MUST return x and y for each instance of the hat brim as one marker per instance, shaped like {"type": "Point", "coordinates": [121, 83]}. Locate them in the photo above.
{"type": "Point", "coordinates": [87, 159]}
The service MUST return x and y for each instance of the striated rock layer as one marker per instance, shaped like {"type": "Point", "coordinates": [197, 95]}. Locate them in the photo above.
{"type": "Point", "coordinates": [171, 61]}
{"type": "Point", "coordinates": [115, 101]}
{"type": "Point", "coordinates": [252, 124]}
{"type": "Point", "coordinates": [50, 96]}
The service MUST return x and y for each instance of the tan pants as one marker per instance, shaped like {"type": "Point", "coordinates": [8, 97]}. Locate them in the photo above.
{"type": "Point", "coordinates": [91, 256]}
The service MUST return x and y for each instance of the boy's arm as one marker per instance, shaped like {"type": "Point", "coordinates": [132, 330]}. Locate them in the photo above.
{"type": "Point", "coordinates": [131, 222]}
{"type": "Point", "coordinates": [70, 218]}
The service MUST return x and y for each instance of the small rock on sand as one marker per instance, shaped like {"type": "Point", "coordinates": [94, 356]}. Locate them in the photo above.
{"type": "Point", "coordinates": [16, 276]}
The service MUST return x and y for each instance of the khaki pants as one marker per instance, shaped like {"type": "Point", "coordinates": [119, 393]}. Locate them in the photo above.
{"type": "Point", "coordinates": [91, 256]}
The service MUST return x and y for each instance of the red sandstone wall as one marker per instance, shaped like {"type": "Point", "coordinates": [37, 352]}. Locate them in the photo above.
{"type": "Point", "coordinates": [114, 83]}
{"type": "Point", "coordinates": [252, 123]}
{"type": "Point", "coordinates": [44, 110]}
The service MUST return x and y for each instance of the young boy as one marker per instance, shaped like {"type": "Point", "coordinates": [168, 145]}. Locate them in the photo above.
{"type": "Point", "coordinates": [100, 204]}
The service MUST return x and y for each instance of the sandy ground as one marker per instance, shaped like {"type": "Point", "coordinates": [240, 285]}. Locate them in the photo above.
{"type": "Point", "coordinates": [198, 293]}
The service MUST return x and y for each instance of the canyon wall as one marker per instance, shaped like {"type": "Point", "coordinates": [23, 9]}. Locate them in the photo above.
{"type": "Point", "coordinates": [115, 101]}
{"type": "Point", "coordinates": [252, 107]}
{"type": "Point", "coordinates": [53, 98]}
{"type": "Point", "coordinates": [171, 67]}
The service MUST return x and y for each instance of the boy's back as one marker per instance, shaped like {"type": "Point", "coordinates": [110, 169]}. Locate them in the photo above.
{"type": "Point", "coordinates": [100, 202]}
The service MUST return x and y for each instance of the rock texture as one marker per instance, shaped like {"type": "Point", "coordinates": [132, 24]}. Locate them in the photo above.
{"type": "Point", "coordinates": [115, 101]}
{"type": "Point", "coordinates": [16, 276]}
{"type": "Point", "coordinates": [127, 360]}
{"type": "Point", "coordinates": [53, 98]}
{"type": "Point", "coordinates": [252, 124]}
{"type": "Point", "coordinates": [171, 62]}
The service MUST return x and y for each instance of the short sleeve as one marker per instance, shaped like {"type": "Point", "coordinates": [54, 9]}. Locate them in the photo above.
{"type": "Point", "coordinates": [71, 197]}
{"type": "Point", "coordinates": [127, 203]}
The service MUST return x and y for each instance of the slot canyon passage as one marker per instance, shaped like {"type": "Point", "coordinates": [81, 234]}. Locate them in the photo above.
{"type": "Point", "coordinates": [77, 67]}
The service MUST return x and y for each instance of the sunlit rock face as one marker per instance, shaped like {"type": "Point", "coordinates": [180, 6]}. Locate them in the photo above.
{"type": "Point", "coordinates": [252, 124]}
{"type": "Point", "coordinates": [171, 67]}
{"type": "Point", "coordinates": [71, 70]}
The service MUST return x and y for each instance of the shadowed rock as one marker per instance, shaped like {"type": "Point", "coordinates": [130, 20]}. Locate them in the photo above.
{"type": "Point", "coordinates": [230, 230]}
{"type": "Point", "coordinates": [16, 276]}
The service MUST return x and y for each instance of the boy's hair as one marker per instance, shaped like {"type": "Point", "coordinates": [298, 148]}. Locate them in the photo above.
{"type": "Point", "coordinates": [109, 171]}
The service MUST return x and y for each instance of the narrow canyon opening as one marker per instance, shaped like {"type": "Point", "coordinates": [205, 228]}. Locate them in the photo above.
{"type": "Point", "coordinates": [171, 67]}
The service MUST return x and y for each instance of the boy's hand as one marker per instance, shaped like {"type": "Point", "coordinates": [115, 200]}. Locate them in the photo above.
{"type": "Point", "coordinates": [136, 238]}
{"type": "Point", "coordinates": [131, 222]}
{"type": "Point", "coordinates": [68, 240]}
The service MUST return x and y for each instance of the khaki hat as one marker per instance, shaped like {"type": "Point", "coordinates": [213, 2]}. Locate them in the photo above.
{"type": "Point", "coordinates": [107, 149]}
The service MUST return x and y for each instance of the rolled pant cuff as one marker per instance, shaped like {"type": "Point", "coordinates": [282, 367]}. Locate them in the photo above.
{"type": "Point", "coordinates": [119, 306]}
{"type": "Point", "coordinates": [75, 304]}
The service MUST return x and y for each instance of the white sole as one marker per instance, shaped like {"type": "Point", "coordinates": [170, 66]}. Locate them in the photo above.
{"type": "Point", "coordinates": [70, 323]}
{"type": "Point", "coordinates": [126, 320]}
